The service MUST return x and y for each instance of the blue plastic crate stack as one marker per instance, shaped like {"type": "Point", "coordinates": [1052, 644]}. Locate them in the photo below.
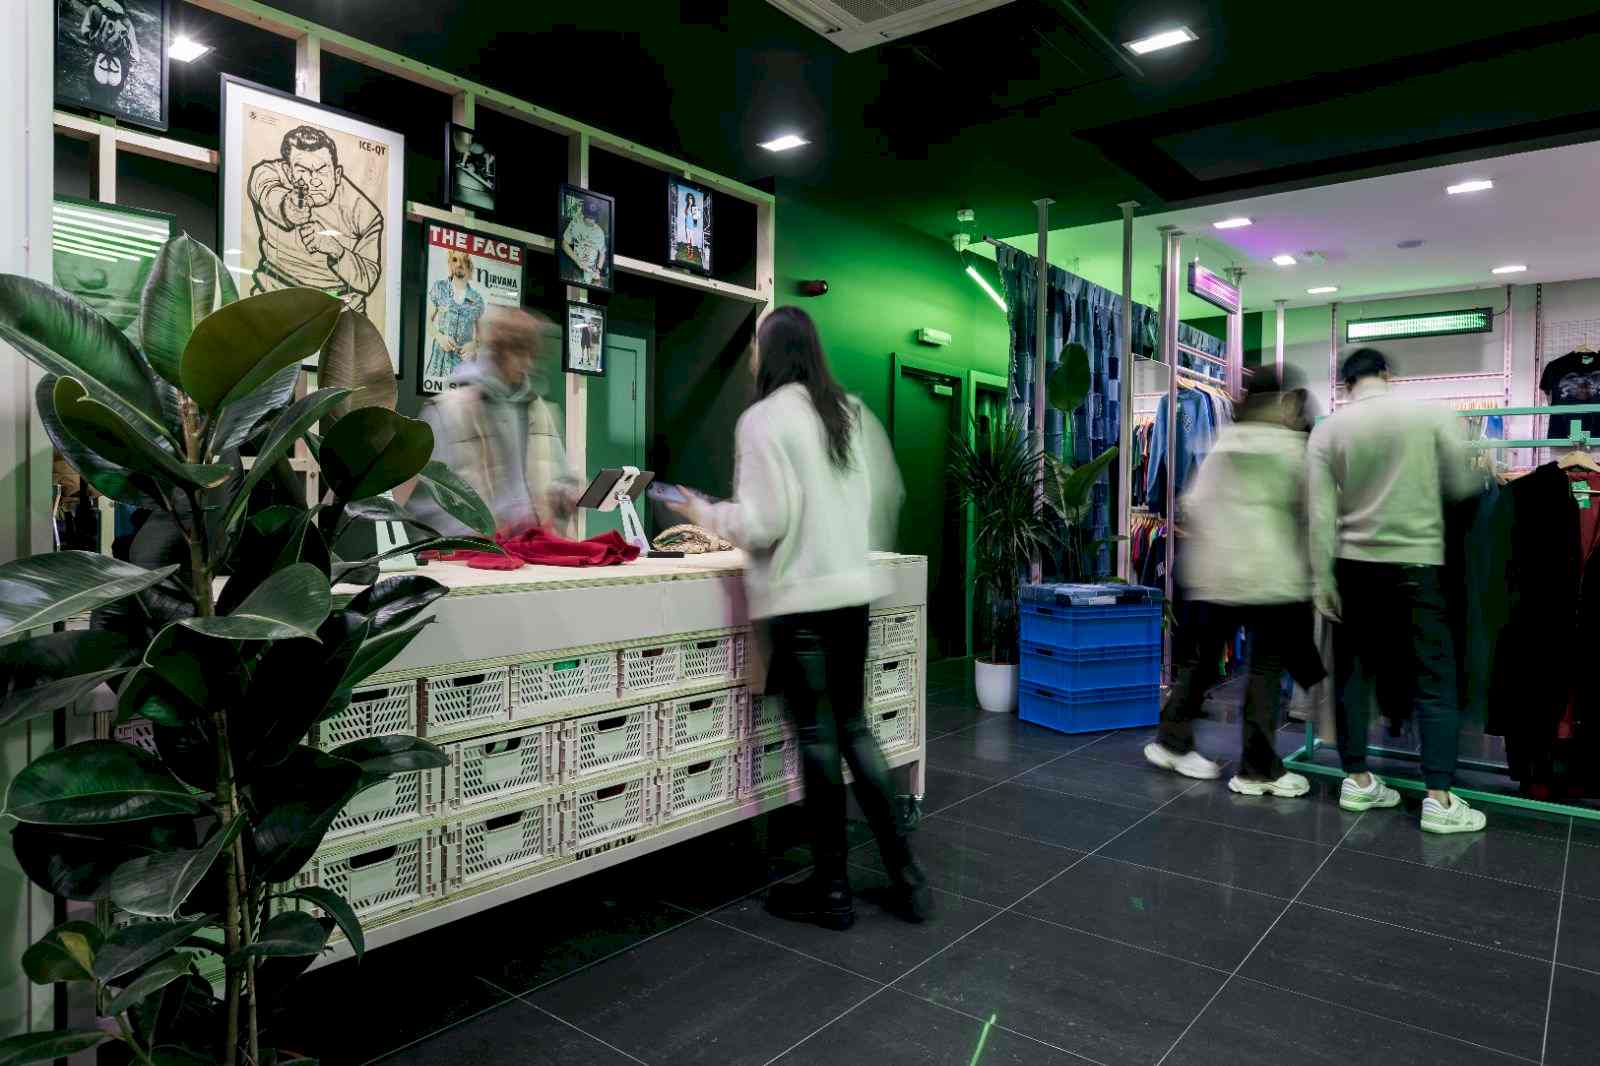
{"type": "Point", "coordinates": [1091, 657]}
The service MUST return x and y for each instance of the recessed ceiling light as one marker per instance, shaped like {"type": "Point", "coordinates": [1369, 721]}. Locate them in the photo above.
{"type": "Point", "coordinates": [1157, 41]}
{"type": "Point", "coordinates": [1476, 185]}
{"type": "Point", "coordinates": [1322, 290]}
{"type": "Point", "coordinates": [1232, 223]}
{"type": "Point", "coordinates": [1285, 260]}
{"type": "Point", "coordinates": [784, 143]}
{"type": "Point", "coordinates": [1511, 268]}
{"type": "Point", "coordinates": [186, 49]}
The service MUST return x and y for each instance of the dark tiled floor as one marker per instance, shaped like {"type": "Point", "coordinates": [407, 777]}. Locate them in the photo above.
{"type": "Point", "coordinates": [1091, 909]}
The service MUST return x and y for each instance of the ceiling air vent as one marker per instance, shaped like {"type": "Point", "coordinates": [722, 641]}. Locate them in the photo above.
{"type": "Point", "coordinates": [857, 24]}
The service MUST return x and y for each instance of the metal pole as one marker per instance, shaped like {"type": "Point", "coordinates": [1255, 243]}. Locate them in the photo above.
{"type": "Point", "coordinates": [1171, 240]}
{"type": "Point", "coordinates": [1236, 338]}
{"type": "Point", "coordinates": [1125, 409]}
{"type": "Point", "coordinates": [1041, 317]}
{"type": "Point", "coordinates": [1333, 355]}
{"type": "Point", "coordinates": [1280, 306]}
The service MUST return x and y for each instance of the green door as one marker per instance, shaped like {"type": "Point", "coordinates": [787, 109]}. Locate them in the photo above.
{"type": "Point", "coordinates": [616, 421]}
{"type": "Point", "coordinates": [927, 411]}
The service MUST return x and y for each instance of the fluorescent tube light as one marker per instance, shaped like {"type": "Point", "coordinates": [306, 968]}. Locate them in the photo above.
{"type": "Point", "coordinates": [1511, 268]}
{"type": "Point", "coordinates": [784, 143]}
{"type": "Point", "coordinates": [972, 272]}
{"type": "Point", "coordinates": [1157, 41]}
{"type": "Point", "coordinates": [1231, 223]}
{"type": "Point", "coordinates": [186, 49]}
{"type": "Point", "coordinates": [1322, 290]}
{"type": "Point", "coordinates": [1285, 260]}
{"type": "Point", "coordinates": [1478, 185]}
{"type": "Point", "coordinates": [1436, 324]}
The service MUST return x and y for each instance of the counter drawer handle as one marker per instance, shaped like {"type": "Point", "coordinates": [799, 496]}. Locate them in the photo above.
{"type": "Point", "coordinates": [698, 768]}
{"type": "Point", "coordinates": [502, 747]}
{"type": "Point", "coordinates": [704, 644]}
{"type": "Point", "coordinates": [891, 716]}
{"type": "Point", "coordinates": [776, 745]}
{"type": "Point", "coordinates": [504, 821]}
{"type": "Point", "coordinates": [370, 695]}
{"type": "Point", "coordinates": [652, 653]}
{"type": "Point", "coordinates": [470, 679]}
{"type": "Point", "coordinates": [610, 791]}
{"type": "Point", "coordinates": [700, 705]}
{"type": "Point", "coordinates": [606, 725]}
{"type": "Point", "coordinates": [374, 857]}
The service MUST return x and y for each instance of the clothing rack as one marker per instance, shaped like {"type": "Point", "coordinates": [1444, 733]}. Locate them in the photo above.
{"type": "Point", "coordinates": [1304, 760]}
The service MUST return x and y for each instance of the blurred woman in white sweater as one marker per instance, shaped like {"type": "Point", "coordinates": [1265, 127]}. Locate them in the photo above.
{"type": "Point", "coordinates": [816, 491]}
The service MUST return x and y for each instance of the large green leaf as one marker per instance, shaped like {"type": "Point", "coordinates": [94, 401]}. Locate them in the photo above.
{"type": "Point", "coordinates": [380, 651]}
{"type": "Point", "coordinates": [379, 757]}
{"type": "Point", "coordinates": [295, 802]}
{"type": "Point", "coordinates": [47, 1047]}
{"type": "Point", "coordinates": [43, 589]}
{"type": "Point", "coordinates": [266, 546]}
{"type": "Point", "coordinates": [291, 603]}
{"type": "Point", "coordinates": [57, 656]}
{"type": "Point", "coordinates": [156, 886]}
{"type": "Point", "coordinates": [140, 943]}
{"type": "Point", "coordinates": [395, 601]}
{"type": "Point", "coordinates": [64, 336]}
{"type": "Point", "coordinates": [158, 976]}
{"type": "Point", "coordinates": [286, 428]}
{"type": "Point", "coordinates": [76, 862]}
{"type": "Point", "coordinates": [1069, 384]}
{"type": "Point", "coordinates": [93, 782]}
{"type": "Point", "coordinates": [65, 953]}
{"type": "Point", "coordinates": [105, 432]}
{"type": "Point", "coordinates": [384, 509]}
{"type": "Point", "coordinates": [356, 358]}
{"type": "Point", "coordinates": [238, 420]}
{"type": "Point", "coordinates": [194, 669]}
{"type": "Point", "coordinates": [335, 906]}
{"type": "Point", "coordinates": [186, 284]}
{"type": "Point", "coordinates": [294, 682]}
{"type": "Point", "coordinates": [442, 544]}
{"type": "Point", "coordinates": [456, 497]}
{"type": "Point", "coordinates": [1072, 495]}
{"type": "Point", "coordinates": [237, 349]}
{"type": "Point", "coordinates": [52, 696]}
{"type": "Point", "coordinates": [372, 450]}
{"type": "Point", "coordinates": [106, 477]}
{"type": "Point", "coordinates": [289, 933]}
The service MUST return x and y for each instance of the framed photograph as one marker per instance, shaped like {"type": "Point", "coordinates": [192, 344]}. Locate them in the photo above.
{"type": "Point", "coordinates": [470, 180]}
{"type": "Point", "coordinates": [111, 58]}
{"type": "Point", "coordinates": [585, 237]}
{"type": "Point", "coordinates": [102, 254]}
{"type": "Point", "coordinates": [584, 344]}
{"type": "Point", "coordinates": [465, 275]}
{"type": "Point", "coordinates": [688, 226]}
{"type": "Point", "coordinates": [312, 197]}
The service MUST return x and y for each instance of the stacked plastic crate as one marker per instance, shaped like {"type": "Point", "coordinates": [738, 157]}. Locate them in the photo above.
{"type": "Point", "coordinates": [1091, 657]}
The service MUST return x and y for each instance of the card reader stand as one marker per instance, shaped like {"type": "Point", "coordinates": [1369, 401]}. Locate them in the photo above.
{"type": "Point", "coordinates": [615, 489]}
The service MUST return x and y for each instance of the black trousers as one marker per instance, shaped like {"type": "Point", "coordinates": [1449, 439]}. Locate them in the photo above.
{"type": "Point", "coordinates": [1280, 640]}
{"type": "Point", "coordinates": [1396, 638]}
{"type": "Point", "coordinates": [818, 665]}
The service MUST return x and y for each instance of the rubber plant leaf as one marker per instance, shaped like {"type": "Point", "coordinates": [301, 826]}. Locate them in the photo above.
{"type": "Point", "coordinates": [101, 429]}
{"type": "Point", "coordinates": [235, 350]}
{"type": "Point", "coordinates": [355, 358]}
{"type": "Point", "coordinates": [65, 953]}
{"type": "Point", "coordinates": [76, 862]}
{"type": "Point", "coordinates": [239, 420]}
{"type": "Point", "coordinates": [373, 450]}
{"type": "Point", "coordinates": [96, 781]}
{"type": "Point", "coordinates": [47, 1047]}
{"type": "Point", "coordinates": [336, 907]}
{"type": "Point", "coordinates": [140, 943]}
{"type": "Point", "coordinates": [296, 802]}
{"type": "Point", "coordinates": [379, 757]}
{"type": "Point", "coordinates": [156, 886]}
{"type": "Point", "coordinates": [105, 477]}
{"type": "Point", "coordinates": [291, 603]}
{"type": "Point", "coordinates": [152, 980]}
{"type": "Point", "coordinates": [289, 933]}
{"type": "Point", "coordinates": [186, 283]}
{"type": "Point", "coordinates": [286, 429]}
{"type": "Point", "coordinates": [43, 589]}
{"type": "Point", "coordinates": [395, 601]}
{"type": "Point", "coordinates": [456, 497]}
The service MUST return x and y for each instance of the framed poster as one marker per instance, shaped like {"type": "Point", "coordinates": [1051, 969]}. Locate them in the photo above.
{"type": "Point", "coordinates": [102, 254]}
{"type": "Point", "coordinates": [688, 225]}
{"type": "Point", "coordinates": [111, 58]}
{"type": "Point", "coordinates": [465, 274]}
{"type": "Point", "coordinates": [312, 197]}
{"type": "Point", "coordinates": [584, 340]}
{"type": "Point", "coordinates": [471, 176]}
{"type": "Point", "coordinates": [585, 238]}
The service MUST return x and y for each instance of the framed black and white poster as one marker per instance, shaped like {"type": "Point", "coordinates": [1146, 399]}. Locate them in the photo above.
{"type": "Point", "coordinates": [312, 197]}
{"type": "Point", "coordinates": [466, 274]}
{"type": "Point", "coordinates": [111, 58]}
{"type": "Point", "coordinates": [103, 254]}
{"type": "Point", "coordinates": [585, 340]}
{"type": "Point", "coordinates": [585, 237]}
{"type": "Point", "coordinates": [470, 177]}
{"type": "Point", "coordinates": [688, 225]}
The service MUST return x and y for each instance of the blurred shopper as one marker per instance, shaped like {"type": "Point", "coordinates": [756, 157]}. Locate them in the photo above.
{"type": "Point", "coordinates": [1379, 472]}
{"type": "Point", "coordinates": [494, 427]}
{"type": "Point", "coordinates": [1244, 563]}
{"type": "Point", "coordinates": [816, 489]}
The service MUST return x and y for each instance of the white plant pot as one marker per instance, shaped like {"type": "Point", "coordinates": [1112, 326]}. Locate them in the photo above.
{"type": "Point", "coordinates": [997, 686]}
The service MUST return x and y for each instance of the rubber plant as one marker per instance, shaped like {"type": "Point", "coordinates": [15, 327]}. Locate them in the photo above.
{"type": "Point", "coordinates": [222, 630]}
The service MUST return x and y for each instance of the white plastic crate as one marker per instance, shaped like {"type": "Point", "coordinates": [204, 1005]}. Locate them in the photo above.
{"type": "Point", "coordinates": [498, 768]}
{"type": "Point", "coordinates": [494, 845]}
{"type": "Point", "coordinates": [601, 813]}
{"type": "Point", "coordinates": [699, 782]}
{"type": "Point", "coordinates": [651, 669]}
{"type": "Point", "coordinates": [890, 679]}
{"type": "Point", "coordinates": [453, 702]}
{"type": "Point", "coordinates": [551, 686]}
{"type": "Point", "coordinates": [140, 732]}
{"type": "Point", "coordinates": [766, 717]}
{"type": "Point", "coordinates": [374, 711]}
{"type": "Point", "coordinates": [895, 726]}
{"type": "Point", "coordinates": [890, 633]}
{"type": "Point", "coordinates": [378, 878]}
{"type": "Point", "coordinates": [398, 798]}
{"type": "Point", "coordinates": [607, 742]}
{"type": "Point", "coordinates": [712, 659]}
{"type": "Point", "coordinates": [770, 764]}
{"type": "Point", "coordinates": [702, 721]}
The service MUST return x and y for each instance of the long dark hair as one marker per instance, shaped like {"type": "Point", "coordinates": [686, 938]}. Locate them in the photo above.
{"type": "Point", "coordinates": [791, 352]}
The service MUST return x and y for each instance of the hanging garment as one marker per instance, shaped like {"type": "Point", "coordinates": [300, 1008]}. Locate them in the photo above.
{"type": "Point", "coordinates": [1573, 379]}
{"type": "Point", "coordinates": [1197, 427]}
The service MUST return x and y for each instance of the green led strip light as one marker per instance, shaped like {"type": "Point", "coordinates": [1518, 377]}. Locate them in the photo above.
{"type": "Point", "coordinates": [1403, 327]}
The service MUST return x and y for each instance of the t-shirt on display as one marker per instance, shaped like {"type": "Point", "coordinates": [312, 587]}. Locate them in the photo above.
{"type": "Point", "coordinates": [1573, 379]}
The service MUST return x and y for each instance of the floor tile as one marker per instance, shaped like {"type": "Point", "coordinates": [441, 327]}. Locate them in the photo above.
{"type": "Point", "coordinates": [1108, 782]}
{"type": "Point", "coordinates": [1250, 1023]}
{"type": "Point", "coordinates": [1217, 853]}
{"type": "Point", "coordinates": [993, 757]}
{"type": "Point", "coordinates": [1485, 997]}
{"type": "Point", "coordinates": [1492, 914]}
{"type": "Point", "coordinates": [1314, 817]}
{"type": "Point", "coordinates": [704, 994]}
{"type": "Point", "coordinates": [1580, 931]}
{"type": "Point", "coordinates": [1069, 821]}
{"type": "Point", "coordinates": [880, 945]}
{"type": "Point", "coordinates": [1571, 1038]}
{"type": "Point", "coordinates": [1513, 849]}
{"type": "Point", "coordinates": [1583, 868]}
{"type": "Point", "coordinates": [1116, 1005]}
{"type": "Point", "coordinates": [946, 788]}
{"type": "Point", "coordinates": [512, 1035]}
{"type": "Point", "coordinates": [1202, 923]}
{"type": "Point", "coordinates": [946, 717]}
{"type": "Point", "coordinates": [1217, 740]}
{"type": "Point", "coordinates": [979, 863]}
{"type": "Point", "coordinates": [896, 1029]}
{"type": "Point", "coordinates": [1029, 735]}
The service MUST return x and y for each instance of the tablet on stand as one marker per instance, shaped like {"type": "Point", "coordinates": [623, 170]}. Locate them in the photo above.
{"type": "Point", "coordinates": [615, 489]}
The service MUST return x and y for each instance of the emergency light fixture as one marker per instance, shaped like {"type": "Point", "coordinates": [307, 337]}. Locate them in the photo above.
{"type": "Point", "coordinates": [1435, 324]}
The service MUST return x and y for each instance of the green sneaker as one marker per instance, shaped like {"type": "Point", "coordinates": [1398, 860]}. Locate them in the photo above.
{"type": "Point", "coordinates": [1456, 818]}
{"type": "Point", "coordinates": [1375, 795]}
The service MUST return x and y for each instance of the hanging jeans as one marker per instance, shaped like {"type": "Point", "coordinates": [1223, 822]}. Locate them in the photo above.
{"type": "Point", "coordinates": [1395, 637]}
{"type": "Point", "coordinates": [1279, 637]}
{"type": "Point", "coordinates": [818, 664]}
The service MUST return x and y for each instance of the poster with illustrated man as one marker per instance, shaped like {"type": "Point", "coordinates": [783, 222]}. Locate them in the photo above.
{"type": "Point", "coordinates": [467, 274]}
{"type": "Point", "coordinates": [312, 198]}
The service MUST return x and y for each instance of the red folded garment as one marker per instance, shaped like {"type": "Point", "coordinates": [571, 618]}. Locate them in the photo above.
{"type": "Point", "coordinates": [546, 549]}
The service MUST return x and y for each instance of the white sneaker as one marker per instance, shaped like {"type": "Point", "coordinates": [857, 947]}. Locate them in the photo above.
{"type": "Point", "coordinates": [1192, 764]}
{"type": "Point", "coordinates": [1290, 785]}
{"type": "Point", "coordinates": [1376, 794]}
{"type": "Point", "coordinates": [1456, 818]}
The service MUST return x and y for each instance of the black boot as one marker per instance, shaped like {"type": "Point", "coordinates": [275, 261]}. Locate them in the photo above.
{"type": "Point", "coordinates": [911, 897]}
{"type": "Point", "coordinates": [821, 901]}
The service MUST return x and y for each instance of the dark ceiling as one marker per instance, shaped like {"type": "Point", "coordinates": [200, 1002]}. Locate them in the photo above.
{"type": "Point", "coordinates": [1025, 101]}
